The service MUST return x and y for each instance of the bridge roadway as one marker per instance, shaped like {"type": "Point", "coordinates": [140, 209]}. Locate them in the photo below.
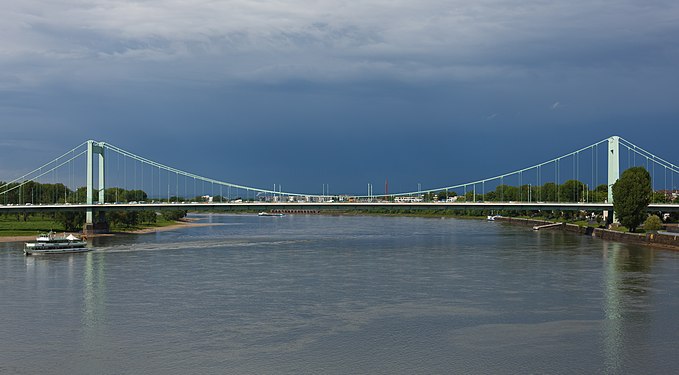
{"type": "Point", "coordinates": [329, 206]}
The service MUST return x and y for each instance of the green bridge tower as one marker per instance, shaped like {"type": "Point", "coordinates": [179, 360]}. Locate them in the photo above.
{"type": "Point", "coordinates": [95, 222]}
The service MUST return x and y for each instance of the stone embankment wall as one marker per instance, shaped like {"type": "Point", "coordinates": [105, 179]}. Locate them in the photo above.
{"type": "Point", "coordinates": [521, 221]}
{"type": "Point", "coordinates": [667, 239]}
{"type": "Point", "coordinates": [661, 239]}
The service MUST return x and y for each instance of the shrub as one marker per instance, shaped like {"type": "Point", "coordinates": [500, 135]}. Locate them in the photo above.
{"type": "Point", "coordinates": [653, 222]}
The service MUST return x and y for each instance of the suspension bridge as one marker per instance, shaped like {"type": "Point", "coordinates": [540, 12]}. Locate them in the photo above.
{"type": "Point", "coordinates": [96, 177]}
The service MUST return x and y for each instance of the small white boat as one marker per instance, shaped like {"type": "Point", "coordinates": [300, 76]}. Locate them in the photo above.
{"type": "Point", "coordinates": [492, 217]}
{"type": "Point", "coordinates": [270, 214]}
{"type": "Point", "coordinates": [49, 243]}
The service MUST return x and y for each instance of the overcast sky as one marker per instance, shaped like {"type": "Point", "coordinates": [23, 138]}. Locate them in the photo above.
{"type": "Point", "coordinates": [305, 93]}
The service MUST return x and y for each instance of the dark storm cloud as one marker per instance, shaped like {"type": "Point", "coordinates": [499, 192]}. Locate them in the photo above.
{"type": "Point", "coordinates": [332, 40]}
{"type": "Point", "coordinates": [379, 75]}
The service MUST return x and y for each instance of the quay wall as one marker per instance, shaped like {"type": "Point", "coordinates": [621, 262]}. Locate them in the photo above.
{"type": "Point", "coordinates": [662, 239]}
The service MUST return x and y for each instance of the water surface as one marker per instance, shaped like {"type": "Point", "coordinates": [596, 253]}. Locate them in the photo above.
{"type": "Point", "coordinates": [337, 295]}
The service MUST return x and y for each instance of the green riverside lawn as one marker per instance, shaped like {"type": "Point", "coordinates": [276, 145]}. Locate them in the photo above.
{"type": "Point", "coordinates": [34, 225]}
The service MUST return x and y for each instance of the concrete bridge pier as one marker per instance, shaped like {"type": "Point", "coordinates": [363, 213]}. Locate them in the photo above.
{"type": "Point", "coordinates": [609, 217]}
{"type": "Point", "coordinates": [98, 225]}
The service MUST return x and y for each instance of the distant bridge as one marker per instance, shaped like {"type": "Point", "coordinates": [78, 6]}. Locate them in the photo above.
{"type": "Point", "coordinates": [587, 169]}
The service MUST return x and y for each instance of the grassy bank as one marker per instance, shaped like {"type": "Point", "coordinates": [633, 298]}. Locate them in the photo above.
{"type": "Point", "coordinates": [36, 224]}
{"type": "Point", "coordinates": [160, 222]}
{"type": "Point", "coordinates": [10, 227]}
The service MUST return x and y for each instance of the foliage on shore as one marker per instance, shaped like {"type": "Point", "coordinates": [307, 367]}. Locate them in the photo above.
{"type": "Point", "coordinates": [36, 193]}
{"type": "Point", "coordinates": [652, 223]}
{"type": "Point", "coordinates": [31, 224]}
{"type": "Point", "coordinates": [632, 194]}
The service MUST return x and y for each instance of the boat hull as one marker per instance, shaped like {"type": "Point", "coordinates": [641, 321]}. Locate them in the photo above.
{"type": "Point", "coordinates": [60, 248]}
{"type": "Point", "coordinates": [56, 251]}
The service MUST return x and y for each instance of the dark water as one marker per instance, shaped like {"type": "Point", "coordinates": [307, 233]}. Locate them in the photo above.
{"type": "Point", "coordinates": [341, 295]}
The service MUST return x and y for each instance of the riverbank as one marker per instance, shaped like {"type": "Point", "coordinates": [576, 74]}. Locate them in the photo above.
{"type": "Point", "coordinates": [663, 240]}
{"type": "Point", "coordinates": [183, 223]}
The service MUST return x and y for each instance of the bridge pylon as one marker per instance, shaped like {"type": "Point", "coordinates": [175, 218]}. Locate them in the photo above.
{"type": "Point", "coordinates": [613, 170]}
{"type": "Point", "coordinates": [92, 224]}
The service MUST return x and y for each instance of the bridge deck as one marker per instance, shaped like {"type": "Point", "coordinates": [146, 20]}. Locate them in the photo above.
{"type": "Point", "coordinates": [330, 206]}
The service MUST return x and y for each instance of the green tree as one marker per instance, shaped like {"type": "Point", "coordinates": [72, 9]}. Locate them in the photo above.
{"type": "Point", "coordinates": [631, 195]}
{"type": "Point", "coordinates": [80, 195]}
{"type": "Point", "coordinates": [548, 193]}
{"type": "Point", "coordinates": [571, 191]}
{"type": "Point", "coordinates": [115, 194]}
{"type": "Point", "coordinates": [469, 196]}
{"type": "Point", "coordinates": [490, 196]}
{"type": "Point", "coordinates": [148, 217]}
{"type": "Point", "coordinates": [507, 193]}
{"type": "Point", "coordinates": [601, 193]}
{"type": "Point", "coordinates": [659, 197]}
{"type": "Point", "coordinates": [526, 191]}
{"type": "Point", "coordinates": [653, 222]}
{"type": "Point", "coordinates": [72, 221]}
{"type": "Point", "coordinates": [126, 219]}
{"type": "Point", "coordinates": [173, 214]}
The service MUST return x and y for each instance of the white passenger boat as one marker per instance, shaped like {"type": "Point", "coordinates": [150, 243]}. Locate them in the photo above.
{"type": "Point", "coordinates": [50, 243]}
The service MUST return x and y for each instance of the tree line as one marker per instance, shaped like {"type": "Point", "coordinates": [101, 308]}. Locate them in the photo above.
{"type": "Point", "coordinates": [569, 191]}
{"type": "Point", "coordinates": [74, 220]}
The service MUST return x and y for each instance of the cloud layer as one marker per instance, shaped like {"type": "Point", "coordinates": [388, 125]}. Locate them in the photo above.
{"type": "Point", "coordinates": [327, 40]}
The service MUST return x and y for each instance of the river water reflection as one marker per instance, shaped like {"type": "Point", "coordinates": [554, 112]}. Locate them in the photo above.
{"type": "Point", "coordinates": [338, 295]}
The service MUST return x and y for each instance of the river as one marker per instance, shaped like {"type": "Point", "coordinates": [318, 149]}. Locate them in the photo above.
{"type": "Point", "coordinates": [341, 295]}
